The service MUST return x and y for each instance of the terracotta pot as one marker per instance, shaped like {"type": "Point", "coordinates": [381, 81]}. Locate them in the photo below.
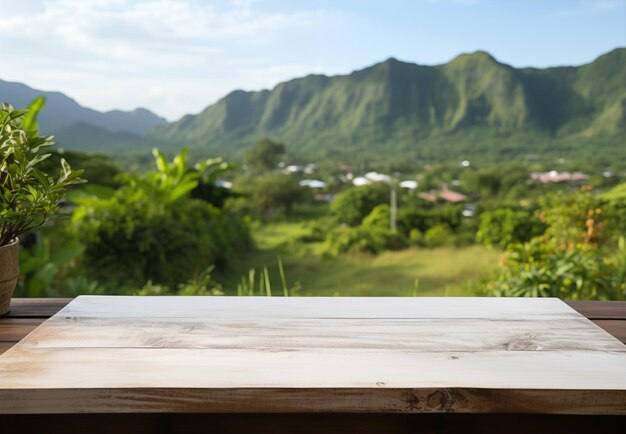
{"type": "Point", "coordinates": [9, 271]}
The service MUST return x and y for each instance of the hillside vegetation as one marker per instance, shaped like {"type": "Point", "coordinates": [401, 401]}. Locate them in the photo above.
{"type": "Point", "coordinates": [472, 104]}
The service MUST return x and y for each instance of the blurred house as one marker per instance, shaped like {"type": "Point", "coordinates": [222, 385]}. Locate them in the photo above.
{"type": "Point", "coordinates": [444, 194]}
{"type": "Point", "coordinates": [555, 176]}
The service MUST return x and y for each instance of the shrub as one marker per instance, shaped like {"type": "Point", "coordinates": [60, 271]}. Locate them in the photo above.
{"type": "Point", "coordinates": [353, 205]}
{"type": "Point", "coordinates": [581, 254]}
{"type": "Point", "coordinates": [379, 217]}
{"type": "Point", "coordinates": [363, 239]}
{"type": "Point", "coordinates": [151, 230]}
{"type": "Point", "coordinates": [506, 226]}
{"type": "Point", "coordinates": [437, 235]}
{"type": "Point", "coordinates": [28, 197]}
{"type": "Point", "coordinates": [265, 195]}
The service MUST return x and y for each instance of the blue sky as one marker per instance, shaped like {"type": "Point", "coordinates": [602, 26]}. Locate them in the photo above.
{"type": "Point", "coordinates": [178, 56]}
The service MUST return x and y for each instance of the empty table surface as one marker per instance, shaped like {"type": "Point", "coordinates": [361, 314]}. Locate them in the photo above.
{"type": "Point", "coordinates": [264, 354]}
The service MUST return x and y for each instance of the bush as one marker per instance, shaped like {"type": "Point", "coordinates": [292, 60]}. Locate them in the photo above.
{"type": "Point", "coordinates": [353, 205]}
{"type": "Point", "coordinates": [437, 235]}
{"type": "Point", "coordinates": [581, 254]}
{"type": "Point", "coordinates": [416, 238]}
{"type": "Point", "coordinates": [363, 239]}
{"type": "Point", "coordinates": [423, 217]}
{"type": "Point", "coordinates": [267, 194]}
{"type": "Point", "coordinates": [380, 217]}
{"type": "Point", "coordinates": [534, 269]}
{"type": "Point", "coordinates": [150, 230]}
{"type": "Point", "coordinates": [507, 226]}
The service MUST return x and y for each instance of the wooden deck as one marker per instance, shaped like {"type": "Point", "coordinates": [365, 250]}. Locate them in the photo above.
{"type": "Point", "coordinates": [27, 314]}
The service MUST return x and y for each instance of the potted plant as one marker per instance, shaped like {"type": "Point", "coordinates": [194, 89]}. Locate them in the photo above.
{"type": "Point", "coordinates": [28, 196]}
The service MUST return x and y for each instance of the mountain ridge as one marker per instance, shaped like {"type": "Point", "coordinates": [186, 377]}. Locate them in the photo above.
{"type": "Point", "coordinates": [62, 111]}
{"type": "Point", "coordinates": [402, 105]}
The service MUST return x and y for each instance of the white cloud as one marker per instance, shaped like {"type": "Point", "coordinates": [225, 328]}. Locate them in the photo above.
{"type": "Point", "coordinates": [173, 56]}
{"type": "Point", "coordinates": [585, 7]}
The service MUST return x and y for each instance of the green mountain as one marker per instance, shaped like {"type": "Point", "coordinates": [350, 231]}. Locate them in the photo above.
{"type": "Point", "coordinates": [62, 112]}
{"type": "Point", "coordinates": [86, 137]}
{"type": "Point", "coordinates": [469, 106]}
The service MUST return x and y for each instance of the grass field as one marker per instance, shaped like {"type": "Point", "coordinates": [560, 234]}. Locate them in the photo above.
{"type": "Point", "coordinates": [426, 272]}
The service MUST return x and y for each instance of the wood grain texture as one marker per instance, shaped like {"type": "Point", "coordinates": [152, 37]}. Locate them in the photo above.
{"type": "Point", "coordinates": [35, 307]}
{"type": "Point", "coordinates": [599, 309]}
{"type": "Point", "coordinates": [4, 346]}
{"type": "Point", "coordinates": [257, 354]}
{"type": "Point", "coordinates": [614, 327]}
{"type": "Point", "coordinates": [16, 329]}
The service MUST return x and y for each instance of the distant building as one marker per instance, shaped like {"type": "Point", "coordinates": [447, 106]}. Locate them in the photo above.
{"type": "Point", "coordinates": [224, 184]}
{"type": "Point", "coordinates": [555, 176]}
{"type": "Point", "coordinates": [312, 183]}
{"type": "Point", "coordinates": [469, 210]}
{"type": "Point", "coordinates": [369, 178]}
{"type": "Point", "coordinates": [444, 194]}
{"type": "Point", "coordinates": [377, 177]}
{"type": "Point", "coordinates": [410, 184]}
{"type": "Point", "coordinates": [360, 180]}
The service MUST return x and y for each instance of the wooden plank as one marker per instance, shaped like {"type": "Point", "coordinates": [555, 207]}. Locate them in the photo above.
{"type": "Point", "coordinates": [435, 335]}
{"type": "Point", "coordinates": [251, 308]}
{"type": "Point", "coordinates": [4, 346]}
{"type": "Point", "coordinates": [51, 368]}
{"type": "Point", "coordinates": [614, 327]}
{"type": "Point", "coordinates": [229, 354]}
{"type": "Point", "coordinates": [14, 329]}
{"type": "Point", "coordinates": [599, 309]}
{"type": "Point", "coordinates": [288, 400]}
{"type": "Point", "coordinates": [35, 307]}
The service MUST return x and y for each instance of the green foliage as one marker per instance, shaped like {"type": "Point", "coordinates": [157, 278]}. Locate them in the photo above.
{"type": "Point", "coordinates": [363, 239]}
{"type": "Point", "coordinates": [202, 285]}
{"type": "Point", "coordinates": [379, 217]}
{"type": "Point", "coordinates": [505, 226]}
{"type": "Point", "coordinates": [267, 194]}
{"type": "Point", "coordinates": [577, 257]}
{"type": "Point", "coordinates": [210, 172]}
{"type": "Point", "coordinates": [423, 216]}
{"type": "Point", "coordinates": [416, 238]}
{"type": "Point", "coordinates": [472, 106]}
{"type": "Point", "coordinates": [354, 204]}
{"type": "Point", "coordinates": [265, 155]}
{"type": "Point", "coordinates": [99, 169]}
{"type": "Point", "coordinates": [150, 229]}
{"type": "Point", "coordinates": [618, 193]}
{"type": "Point", "coordinates": [249, 285]}
{"type": "Point", "coordinates": [535, 269]}
{"type": "Point", "coordinates": [28, 197]}
{"type": "Point", "coordinates": [491, 183]}
{"type": "Point", "coordinates": [41, 268]}
{"type": "Point", "coordinates": [437, 235]}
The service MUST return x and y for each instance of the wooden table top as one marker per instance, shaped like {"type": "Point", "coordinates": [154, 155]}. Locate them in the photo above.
{"type": "Point", "coordinates": [263, 354]}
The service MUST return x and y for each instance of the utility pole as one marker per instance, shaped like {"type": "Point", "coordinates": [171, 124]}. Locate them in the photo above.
{"type": "Point", "coordinates": [393, 207]}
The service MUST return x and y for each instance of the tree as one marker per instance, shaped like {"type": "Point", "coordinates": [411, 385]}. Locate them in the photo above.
{"type": "Point", "coordinates": [506, 226]}
{"type": "Point", "coordinates": [265, 155]}
{"type": "Point", "coordinates": [269, 193]}
{"type": "Point", "coordinates": [353, 205]}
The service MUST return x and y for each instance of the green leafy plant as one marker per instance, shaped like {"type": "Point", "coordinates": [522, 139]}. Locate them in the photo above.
{"type": "Point", "coordinates": [580, 255]}
{"type": "Point", "coordinates": [251, 286]}
{"type": "Point", "coordinates": [151, 229]}
{"type": "Point", "coordinates": [28, 197]}
{"type": "Point", "coordinates": [41, 268]}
